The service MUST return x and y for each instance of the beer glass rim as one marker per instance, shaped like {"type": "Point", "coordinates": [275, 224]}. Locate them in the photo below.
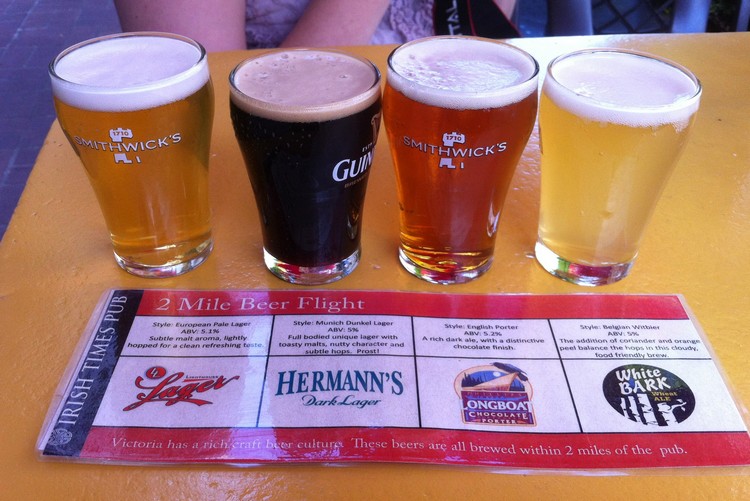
{"type": "Point", "coordinates": [274, 110]}
{"type": "Point", "coordinates": [679, 104]}
{"type": "Point", "coordinates": [199, 65]}
{"type": "Point", "coordinates": [471, 99]}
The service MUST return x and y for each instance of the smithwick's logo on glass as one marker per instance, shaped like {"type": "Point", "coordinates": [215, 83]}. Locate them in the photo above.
{"type": "Point", "coordinates": [454, 149]}
{"type": "Point", "coordinates": [498, 394]}
{"type": "Point", "coordinates": [125, 151]}
{"type": "Point", "coordinates": [175, 388]}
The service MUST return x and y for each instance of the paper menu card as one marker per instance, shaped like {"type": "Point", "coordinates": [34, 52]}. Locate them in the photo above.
{"type": "Point", "coordinates": [573, 382]}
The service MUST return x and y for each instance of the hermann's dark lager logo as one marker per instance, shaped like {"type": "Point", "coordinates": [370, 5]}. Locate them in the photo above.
{"type": "Point", "coordinates": [498, 394]}
{"type": "Point", "coordinates": [351, 388]}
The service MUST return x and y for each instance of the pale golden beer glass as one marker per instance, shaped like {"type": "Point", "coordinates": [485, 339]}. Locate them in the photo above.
{"type": "Point", "coordinates": [458, 112]}
{"type": "Point", "coordinates": [612, 126]}
{"type": "Point", "coordinates": [138, 110]}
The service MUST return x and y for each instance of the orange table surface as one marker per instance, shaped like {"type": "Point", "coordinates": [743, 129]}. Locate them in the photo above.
{"type": "Point", "coordinates": [56, 261]}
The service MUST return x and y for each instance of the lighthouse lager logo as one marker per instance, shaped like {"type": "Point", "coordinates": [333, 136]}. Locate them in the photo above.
{"type": "Point", "coordinates": [169, 389]}
{"type": "Point", "coordinates": [497, 394]}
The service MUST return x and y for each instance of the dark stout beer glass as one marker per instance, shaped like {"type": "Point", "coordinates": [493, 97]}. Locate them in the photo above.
{"type": "Point", "coordinates": [307, 122]}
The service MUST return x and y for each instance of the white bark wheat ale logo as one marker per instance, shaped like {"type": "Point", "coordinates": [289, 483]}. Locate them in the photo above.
{"type": "Point", "coordinates": [648, 395]}
{"type": "Point", "coordinates": [498, 394]}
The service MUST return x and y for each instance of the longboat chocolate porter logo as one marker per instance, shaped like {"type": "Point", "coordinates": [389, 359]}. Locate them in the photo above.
{"type": "Point", "coordinates": [648, 395]}
{"type": "Point", "coordinates": [497, 394]}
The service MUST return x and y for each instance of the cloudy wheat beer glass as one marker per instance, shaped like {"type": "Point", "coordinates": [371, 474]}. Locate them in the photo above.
{"type": "Point", "coordinates": [458, 112]}
{"type": "Point", "coordinates": [138, 109]}
{"type": "Point", "coordinates": [612, 126]}
{"type": "Point", "coordinates": [306, 122]}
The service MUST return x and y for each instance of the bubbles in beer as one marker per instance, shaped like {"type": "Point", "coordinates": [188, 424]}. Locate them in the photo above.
{"type": "Point", "coordinates": [129, 73]}
{"type": "Point", "coordinates": [305, 85]}
{"type": "Point", "coordinates": [623, 88]}
{"type": "Point", "coordinates": [462, 73]}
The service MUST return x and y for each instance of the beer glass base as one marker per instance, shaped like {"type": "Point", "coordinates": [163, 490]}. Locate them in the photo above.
{"type": "Point", "coordinates": [580, 274]}
{"type": "Point", "coordinates": [170, 269]}
{"type": "Point", "coordinates": [311, 275]}
{"type": "Point", "coordinates": [443, 277]}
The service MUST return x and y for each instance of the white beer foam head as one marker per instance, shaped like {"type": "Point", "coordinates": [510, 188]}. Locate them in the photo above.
{"type": "Point", "coordinates": [623, 87]}
{"type": "Point", "coordinates": [304, 85]}
{"type": "Point", "coordinates": [128, 72]}
{"type": "Point", "coordinates": [462, 72]}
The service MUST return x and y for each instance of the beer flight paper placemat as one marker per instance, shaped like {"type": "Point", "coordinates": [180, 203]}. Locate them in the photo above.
{"type": "Point", "coordinates": [522, 381]}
